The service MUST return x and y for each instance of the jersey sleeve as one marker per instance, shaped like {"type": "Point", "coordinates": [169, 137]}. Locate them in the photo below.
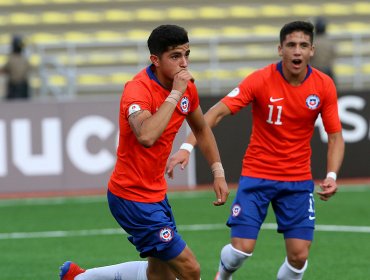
{"type": "Point", "coordinates": [243, 94]}
{"type": "Point", "coordinates": [329, 111]}
{"type": "Point", "coordinates": [135, 97]}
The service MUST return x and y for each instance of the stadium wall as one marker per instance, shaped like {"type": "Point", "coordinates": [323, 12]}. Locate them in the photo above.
{"type": "Point", "coordinates": [56, 146]}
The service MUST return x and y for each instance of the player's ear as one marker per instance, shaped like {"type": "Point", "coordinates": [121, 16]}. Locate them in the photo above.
{"type": "Point", "coordinates": [312, 51]}
{"type": "Point", "coordinates": [280, 50]}
{"type": "Point", "coordinates": [154, 59]}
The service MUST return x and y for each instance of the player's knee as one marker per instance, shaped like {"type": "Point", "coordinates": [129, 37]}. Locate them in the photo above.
{"type": "Point", "coordinates": [297, 260]}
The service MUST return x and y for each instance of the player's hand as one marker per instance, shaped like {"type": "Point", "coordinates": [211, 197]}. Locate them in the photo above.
{"type": "Point", "coordinates": [180, 157]}
{"type": "Point", "coordinates": [328, 189]}
{"type": "Point", "coordinates": [181, 79]}
{"type": "Point", "coordinates": [221, 190]}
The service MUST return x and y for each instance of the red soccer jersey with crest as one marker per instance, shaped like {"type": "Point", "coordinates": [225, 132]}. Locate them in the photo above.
{"type": "Point", "coordinates": [139, 172]}
{"type": "Point", "coordinates": [283, 121]}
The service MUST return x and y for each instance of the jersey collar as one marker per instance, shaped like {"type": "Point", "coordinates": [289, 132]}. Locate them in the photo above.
{"type": "Point", "coordinates": [279, 67]}
{"type": "Point", "coordinates": [151, 75]}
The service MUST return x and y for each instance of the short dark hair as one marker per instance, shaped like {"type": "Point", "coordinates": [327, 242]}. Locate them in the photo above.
{"type": "Point", "coordinates": [165, 37]}
{"type": "Point", "coordinates": [304, 26]}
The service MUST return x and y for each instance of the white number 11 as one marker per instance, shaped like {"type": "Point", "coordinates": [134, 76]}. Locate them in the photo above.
{"type": "Point", "coordinates": [278, 117]}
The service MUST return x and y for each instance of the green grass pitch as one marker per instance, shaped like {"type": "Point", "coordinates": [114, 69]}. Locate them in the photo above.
{"type": "Point", "coordinates": [38, 235]}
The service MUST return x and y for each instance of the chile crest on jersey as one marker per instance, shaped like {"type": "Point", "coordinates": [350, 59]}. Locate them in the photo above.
{"type": "Point", "coordinates": [184, 104]}
{"type": "Point", "coordinates": [312, 101]}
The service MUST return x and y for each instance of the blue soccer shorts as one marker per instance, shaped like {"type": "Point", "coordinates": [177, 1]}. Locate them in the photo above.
{"type": "Point", "coordinates": [151, 226]}
{"type": "Point", "coordinates": [292, 202]}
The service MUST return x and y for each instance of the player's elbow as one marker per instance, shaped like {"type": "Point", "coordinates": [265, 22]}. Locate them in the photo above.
{"type": "Point", "coordinates": [146, 141]}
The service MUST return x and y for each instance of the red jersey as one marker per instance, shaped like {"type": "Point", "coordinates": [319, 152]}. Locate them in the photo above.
{"type": "Point", "coordinates": [283, 121]}
{"type": "Point", "coordinates": [139, 172]}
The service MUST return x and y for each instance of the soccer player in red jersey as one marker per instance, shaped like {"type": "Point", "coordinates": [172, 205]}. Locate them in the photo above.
{"type": "Point", "coordinates": [286, 97]}
{"type": "Point", "coordinates": [153, 106]}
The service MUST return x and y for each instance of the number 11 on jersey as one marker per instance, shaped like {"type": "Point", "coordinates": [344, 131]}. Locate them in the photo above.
{"type": "Point", "coordinates": [271, 113]}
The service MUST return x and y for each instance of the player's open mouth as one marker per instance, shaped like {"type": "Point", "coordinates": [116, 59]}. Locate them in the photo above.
{"type": "Point", "coordinates": [297, 61]}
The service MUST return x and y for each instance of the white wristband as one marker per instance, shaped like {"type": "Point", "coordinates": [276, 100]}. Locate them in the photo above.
{"type": "Point", "coordinates": [332, 175]}
{"type": "Point", "coordinates": [187, 146]}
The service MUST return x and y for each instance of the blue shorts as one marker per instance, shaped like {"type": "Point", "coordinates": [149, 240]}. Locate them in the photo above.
{"type": "Point", "coordinates": [292, 202]}
{"type": "Point", "coordinates": [151, 226]}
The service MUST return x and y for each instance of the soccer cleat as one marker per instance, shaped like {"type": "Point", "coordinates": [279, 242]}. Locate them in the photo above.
{"type": "Point", "coordinates": [216, 277]}
{"type": "Point", "coordinates": [69, 270]}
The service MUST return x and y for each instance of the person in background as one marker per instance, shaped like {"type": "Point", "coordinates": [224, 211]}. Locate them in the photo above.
{"type": "Point", "coordinates": [286, 97]}
{"type": "Point", "coordinates": [325, 52]}
{"type": "Point", "coordinates": [17, 69]}
{"type": "Point", "coordinates": [153, 107]}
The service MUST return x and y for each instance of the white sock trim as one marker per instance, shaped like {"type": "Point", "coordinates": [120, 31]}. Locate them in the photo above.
{"type": "Point", "coordinates": [241, 252]}
{"type": "Point", "coordinates": [300, 271]}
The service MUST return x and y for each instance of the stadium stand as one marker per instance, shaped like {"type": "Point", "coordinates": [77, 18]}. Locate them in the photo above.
{"type": "Point", "coordinates": [94, 46]}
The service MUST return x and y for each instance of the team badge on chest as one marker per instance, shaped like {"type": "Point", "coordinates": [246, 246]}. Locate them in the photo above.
{"type": "Point", "coordinates": [184, 104]}
{"type": "Point", "coordinates": [312, 102]}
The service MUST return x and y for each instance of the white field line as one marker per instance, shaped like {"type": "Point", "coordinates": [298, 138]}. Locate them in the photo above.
{"type": "Point", "coordinates": [198, 227]}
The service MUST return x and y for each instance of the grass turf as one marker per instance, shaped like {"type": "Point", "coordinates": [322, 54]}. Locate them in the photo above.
{"type": "Point", "coordinates": [58, 224]}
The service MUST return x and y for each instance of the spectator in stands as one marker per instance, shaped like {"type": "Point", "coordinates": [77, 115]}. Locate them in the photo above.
{"type": "Point", "coordinates": [153, 107]}
{"type": "Point", "coordinates": [325, 53]}
{"type": "Point", "coordinates": [17, 70]}
{"type": "Point", "coordinates": [286, 97]}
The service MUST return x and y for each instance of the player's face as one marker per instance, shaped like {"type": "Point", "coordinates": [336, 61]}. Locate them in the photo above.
{"type": "Point", "coordinates": [296, 52]}
{"type": "Point", "coordinates": [170, 63]}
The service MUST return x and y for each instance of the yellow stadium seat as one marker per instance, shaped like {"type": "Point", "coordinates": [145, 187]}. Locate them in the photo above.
{"type": "Point", "coordinates": [86, 16]}
{"type": "Point", "coordinates": [33, 2]}
{"type": "Point", "coordinates": [344, 70]}
{"type": "Point", "coordinates": [92, 79]}
{"type": "Point", "coordinates": [265, 30]}
{"type": "Point", "coordinates": [120, 78]}
{"type": "Point", "coordinates": [345, 48]}
{"type": "Point", "coordinates": [306, 10]}
{"type": "Point", "coordinates": [203, 32]}
{"type": "Point", "coordinates": [55, 18]}
{"type": "Point", "coordinates": [108, 36]}
{"type": "Point", "coordinates": [137, 34]}
{"type": "Point", "coordinates": [75, 36]}
{"type": "Point", "coordinates": [24, 19]}
{"type": "Point", "coordinates": [150, 15]}
{"type": "Point", "coordinates": [275, 11]}
{"type": "Point", "coordinates": [118, 15]}
{"type": "Point", "coordinates": [234, 31]}
{"type": "Point", "coordinates": [35, 60]}
{"type": "Point", "coordinates": [45, 38]}
{"type": "Point", "coordinates": [129, 56]}
{"type": "Point", "coordinates": [210, 12]}
{"type": "Point", "coordinates": [366, 69]}
{"type": "Point", "coordinates": [244, 72]}
{"type": "Point", "coordinates": [240, 11]}
{"type": "Point", "coordinates": [357, 27]}
{"type": "Point", "coordinates": [3, 59]}
{"type": "Point", "coordinates": [57, 80]}
{"type": "Point", "coordinates": [361, 8]}
{"type": "Point", "coordinates": [178, 13]}
{"type": "Point", "coordinates": [8, 3]}
{"type": "Point", "coordinates": [64, 1]}
{"type": "Point", "coordinates": [102, 58]}
{"type": "Point", "coordinates": [334, 9]}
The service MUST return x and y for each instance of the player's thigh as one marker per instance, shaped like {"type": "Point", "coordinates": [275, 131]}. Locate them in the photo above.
{"type": "Point", "coordinates": [158, 270]}
{"type": "Point", "coordinates": [185, 265]}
